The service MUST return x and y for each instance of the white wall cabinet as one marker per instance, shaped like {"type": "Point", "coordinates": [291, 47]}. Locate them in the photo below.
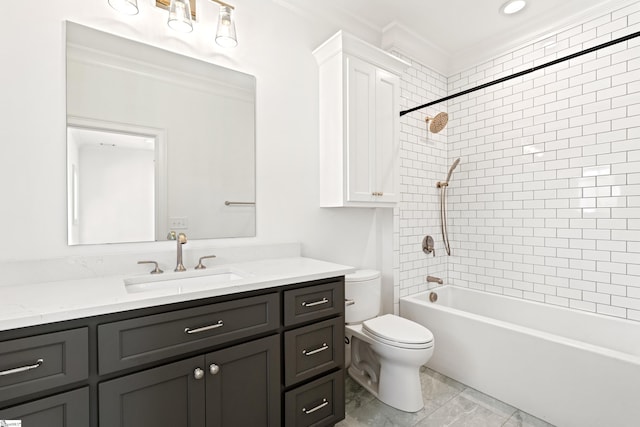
{"type": "Point", "coordinates": [359, 123]}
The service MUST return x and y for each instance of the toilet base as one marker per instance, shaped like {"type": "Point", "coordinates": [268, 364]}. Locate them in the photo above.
{"type": "Point", "coordinates": [405, 396]}
{"type": "Point", "coordinates": [395, 384]}
{"type": "Point", "coordinates": [403, 390]}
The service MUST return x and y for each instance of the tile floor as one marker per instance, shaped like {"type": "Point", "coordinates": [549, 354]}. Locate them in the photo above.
{"type": "Point", "coordinates": [446, 403]}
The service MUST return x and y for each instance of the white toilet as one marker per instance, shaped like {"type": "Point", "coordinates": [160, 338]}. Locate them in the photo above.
{"type": "Point", "coordinates": [383, 353]}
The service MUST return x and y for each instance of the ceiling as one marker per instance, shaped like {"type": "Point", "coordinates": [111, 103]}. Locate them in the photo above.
{"type": "Point", "coordinates": [455, 34]}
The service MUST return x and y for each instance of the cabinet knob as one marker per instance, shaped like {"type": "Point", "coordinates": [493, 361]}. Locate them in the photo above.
{"type": "Point", "coordinates": [198, 373]}
{"type": "Point", "coordinates": [214, 369]}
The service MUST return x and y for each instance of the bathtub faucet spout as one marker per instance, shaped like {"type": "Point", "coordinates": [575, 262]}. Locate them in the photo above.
{"type": "Point", "coordinates": [434, 280]}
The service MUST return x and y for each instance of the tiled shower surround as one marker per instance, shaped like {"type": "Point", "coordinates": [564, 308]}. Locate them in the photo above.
{"type": "Point", "coordinates": [545, 204]}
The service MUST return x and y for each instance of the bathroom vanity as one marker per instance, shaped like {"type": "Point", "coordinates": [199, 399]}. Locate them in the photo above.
{"type": "Point", "coordinates": [268, 351]}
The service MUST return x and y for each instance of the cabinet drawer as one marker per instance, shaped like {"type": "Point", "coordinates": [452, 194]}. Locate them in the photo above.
{"type": "Point", "coordinates": [318, 403]}
{"type": "Point", "coordinates": [314, 302]}
{"type": "Point", "coordinates": [62, 410]}
{"type": "Point", "coordinates": [37, 363]}
{"type": "Point", "coordinates": [314, 349]}
{"type": "Point", "coordinates": [134, 342]}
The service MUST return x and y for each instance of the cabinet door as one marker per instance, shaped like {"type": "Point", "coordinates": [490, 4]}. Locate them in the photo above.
{"type": "Point", "coordinates": [361, 112]}
{"type": "Point", "coordinates": [387, 136]}
{"type": "Point", "coordinates": [170, 395]}
{"type": "Point", "coordinates": [243, 384]}
{"type": "Point", "coordinates": [62, 410]}
{"type": "Point", "coordinates": [373, 133]}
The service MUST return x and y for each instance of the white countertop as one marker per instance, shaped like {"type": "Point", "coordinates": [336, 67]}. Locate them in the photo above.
{"type": "Point", "coordinates": [47, 302]}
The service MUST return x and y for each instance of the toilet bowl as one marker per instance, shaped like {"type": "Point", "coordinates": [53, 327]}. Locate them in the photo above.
{"type": "Point", "coordinates": [384, 353]}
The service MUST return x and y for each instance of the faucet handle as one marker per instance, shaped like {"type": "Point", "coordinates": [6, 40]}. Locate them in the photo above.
{"type": "Point", "coordinates": [155, 270]}
{"type": "Point", "coordinates": [428, 245]}
{"type": "Point", "coordinates": [200, 265]}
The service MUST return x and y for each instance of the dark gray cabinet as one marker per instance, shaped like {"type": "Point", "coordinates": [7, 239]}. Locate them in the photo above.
{"type": "Point", "coordinates": [237, 386]}
{"type": "Point", "coordinates": [141, 340]}
{"type": "Point", "coordinates": [314, 355]}
{"type": "Point", "coordinates": [243, 384]}
{"type": "Point", "coordinates": [269, 357]}
{"type": "Point", "coordinates": [320, 402]}
{"type": "Point", "coordinates": [314, 349]}
{"type": "Point", "coordinates": [41, 362]}
{"type": "Point", "coordinates": [69, 409]}
{"type": "Point", "coordinates": [164, 396]}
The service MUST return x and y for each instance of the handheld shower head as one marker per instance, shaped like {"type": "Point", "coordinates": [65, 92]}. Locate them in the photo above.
{"type": "Point", "coordinates": [453, 166]}
{"type": "Point", "coordinates": [438, 122]}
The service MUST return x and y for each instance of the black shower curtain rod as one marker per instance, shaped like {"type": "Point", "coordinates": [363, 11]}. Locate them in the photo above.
{"type": "Point", "coordinates": [524, 72]}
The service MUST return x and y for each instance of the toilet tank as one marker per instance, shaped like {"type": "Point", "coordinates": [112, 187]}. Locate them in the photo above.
{"type": "Point", "coordinates": [364, 288]}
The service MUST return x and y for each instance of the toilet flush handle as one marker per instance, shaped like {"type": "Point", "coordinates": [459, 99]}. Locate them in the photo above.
{"type": "Point", "coordinates": [348, 302]}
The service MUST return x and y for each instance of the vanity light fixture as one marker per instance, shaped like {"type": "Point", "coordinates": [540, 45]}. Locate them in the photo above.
{"type": "Point", "coordinates": [128, 7]}
{"type": "Point", "coordinates": [513, 6]}
{"type": "Point", "coordinates": [182, 13]}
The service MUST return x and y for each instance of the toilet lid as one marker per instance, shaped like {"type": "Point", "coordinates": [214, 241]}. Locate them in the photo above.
{"type": "Point", "coordinates": [362, 275]}
{"type": "Point", "coordinates": [398, 331]}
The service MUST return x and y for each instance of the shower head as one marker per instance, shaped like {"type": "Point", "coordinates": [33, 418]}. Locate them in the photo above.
{"type": "Point", "coordinates": [453, 166]}
{"type": "Point", "coordinates": [438, 122]}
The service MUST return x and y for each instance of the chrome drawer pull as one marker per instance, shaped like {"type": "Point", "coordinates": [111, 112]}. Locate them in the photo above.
{"type": "Point", "coordinates": [312, 304]}
{"type": "Point", "coordinates": [317, 350]}
{"type": "Point", "coordinates": [23, 368]}
{"type": "Point", "coordinates": [312, 410]}
{"type": "Point", "coordinates": [204, 328]}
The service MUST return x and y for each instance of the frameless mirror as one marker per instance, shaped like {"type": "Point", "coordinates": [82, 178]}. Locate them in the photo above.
{"type": "Point", "coordinates": [156, 142]}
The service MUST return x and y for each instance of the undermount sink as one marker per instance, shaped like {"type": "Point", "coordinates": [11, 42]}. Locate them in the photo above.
{"type": "Point", "coordinates": [187, 281]}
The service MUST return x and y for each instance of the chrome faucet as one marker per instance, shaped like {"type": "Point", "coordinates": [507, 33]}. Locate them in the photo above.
{"type": "Point", "coordinates": [181, 239]}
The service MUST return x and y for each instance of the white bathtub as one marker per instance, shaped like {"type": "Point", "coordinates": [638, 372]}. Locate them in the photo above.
{"type": "Point", "coordinates": [567, 367]}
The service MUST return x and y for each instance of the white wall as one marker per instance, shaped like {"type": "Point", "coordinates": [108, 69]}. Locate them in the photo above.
{"type": "Point", "coordinates": [274, 45]}
{"type": "Point", "coordinates": [545, 204]}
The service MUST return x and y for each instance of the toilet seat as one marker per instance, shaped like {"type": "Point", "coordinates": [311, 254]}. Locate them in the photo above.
{"type": "Point", "coordinates": [398, 332]}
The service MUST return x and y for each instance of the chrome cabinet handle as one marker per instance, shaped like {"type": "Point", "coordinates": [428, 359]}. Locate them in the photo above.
{"type": "Point", "coordinates": [317, 350]}
{"type": "Point", "coordinates": [312, 410]}
{"type": "Point", "coordinates": [214, 369]}
{"type": "Point", "coordinates": [204, 328]}
{"type": "Point", "coordinates": [312, 304]}
{"type": "Point", "coordinates": [26, 368]}
{"type": "Point", "coordinates": [198, 373]}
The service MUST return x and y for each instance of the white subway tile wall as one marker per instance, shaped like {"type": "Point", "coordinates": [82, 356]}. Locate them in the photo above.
{"type": "Point", "coordinates": [545, 204]}
{"type": "Point", "coordinates": [423, 158]}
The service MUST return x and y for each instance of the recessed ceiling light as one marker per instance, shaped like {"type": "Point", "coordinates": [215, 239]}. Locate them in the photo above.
{"type": "Point", "coordinates": [513, 6]}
